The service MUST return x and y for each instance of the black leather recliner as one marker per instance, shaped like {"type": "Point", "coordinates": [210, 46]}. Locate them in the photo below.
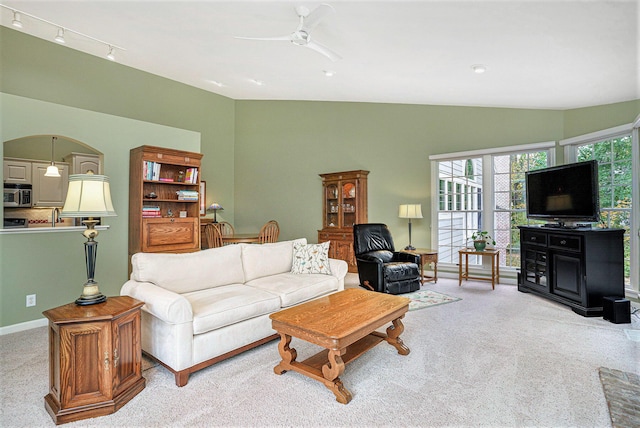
{"type": "Point", "coordinates": [380, 267]}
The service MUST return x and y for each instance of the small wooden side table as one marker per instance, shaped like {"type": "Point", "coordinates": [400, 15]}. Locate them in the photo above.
{"type": "Point", "coordinates": [463, 272]}
{"type": "Point", "coordinates": [427, 256]}
{"type": "Point", "coordinates": [95, 358]}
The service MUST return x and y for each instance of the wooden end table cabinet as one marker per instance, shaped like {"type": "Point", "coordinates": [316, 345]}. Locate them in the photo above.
{"type": "Point", "coordinates": [95, 358]}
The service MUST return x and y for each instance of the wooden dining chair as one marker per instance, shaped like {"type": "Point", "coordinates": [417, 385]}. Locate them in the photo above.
{"type": "Point", "coordinates": [226, 228]}
{"type": "Point", "coordinates": [269, 232]}
{"type": "Point", "coordinates": [214, 237]}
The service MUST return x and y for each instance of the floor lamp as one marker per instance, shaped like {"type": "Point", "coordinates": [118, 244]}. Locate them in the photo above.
{"type": "Point", "coordinates": [410, 211]}
{"type": "Point", "coordinates": [88, 197]}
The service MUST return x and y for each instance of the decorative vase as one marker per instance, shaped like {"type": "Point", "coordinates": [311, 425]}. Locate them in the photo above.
{"type": "Point", "coordinates": [479, 245]}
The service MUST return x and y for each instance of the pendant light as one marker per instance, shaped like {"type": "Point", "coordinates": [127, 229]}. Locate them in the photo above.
{"type": "Point", "coordinates": [52, 170]}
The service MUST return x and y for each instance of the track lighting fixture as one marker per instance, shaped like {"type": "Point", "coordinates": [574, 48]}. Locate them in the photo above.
{"type": "Point", "coordinates": [60, 37]}
{"type": "Point", "coordinates": [17, 22]}
{"type": "Point", "coordinates": [62, 30]}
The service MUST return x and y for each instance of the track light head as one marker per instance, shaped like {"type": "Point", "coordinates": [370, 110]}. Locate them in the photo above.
{"type": "Point", "coordinates": [111, 55]}
{"type": "Point", "coordinates": [17, 22]}
{"type": "Point", "coordinates": [60, 37]}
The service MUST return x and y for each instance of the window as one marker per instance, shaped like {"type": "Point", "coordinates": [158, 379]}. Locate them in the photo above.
{"type": "Point", "coordinates": [509, 210]}
{"type": "Point", "coordinates": [613, 149]}
{"type": "Point", "coordinates": [489, 195]}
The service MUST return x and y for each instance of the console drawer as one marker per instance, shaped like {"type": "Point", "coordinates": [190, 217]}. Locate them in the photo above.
{"type": "Point", "coordinates": [534, 238]}
{"type": "Point", "coordinates": [571, 243]}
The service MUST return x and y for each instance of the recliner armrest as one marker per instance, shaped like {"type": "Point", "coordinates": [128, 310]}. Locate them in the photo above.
{"type": "Point", "coordinates": [400, 256]}
{"type": "Point", "coordinates": [166, 305]}
{"type": "Point", "coordinates": [369, 258]}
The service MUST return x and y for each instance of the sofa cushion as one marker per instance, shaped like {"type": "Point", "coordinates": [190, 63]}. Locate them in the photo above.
{"type": "Point", "coordinates": [186, 272]}
{"type": "Point", "coordinates": [311, 258]}
{"type": "Point", "coordinates": [293, 288]}
{"type": "Point", "coordinates": [222, 306]}
{"type": "Point", "coordinates": [267, 259]}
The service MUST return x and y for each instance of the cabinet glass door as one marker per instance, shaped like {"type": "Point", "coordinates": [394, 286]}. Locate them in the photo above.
{"type": "Point", "coordinates": [332, 205]}
{"type": "Point", "coordinates": [348, 203]}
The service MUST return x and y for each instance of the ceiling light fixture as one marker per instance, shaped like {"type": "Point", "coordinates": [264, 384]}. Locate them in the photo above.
{"type": "Point", "coordinates": [60, 37]}
{"type": "Point", "coordinates": [478, 68]}
{"type": "Point", "coordinates": [257, 82]}
{"type": "Point", "coordinates": [17, 22]}
{"type": "Point", "coordinates": [329, 73]}
{"type": "Point", "coordinates": [215, 82]}
{"type": "Point", "coordinates": [52, 170]}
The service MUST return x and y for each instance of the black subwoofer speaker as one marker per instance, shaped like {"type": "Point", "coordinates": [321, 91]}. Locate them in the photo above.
{"type": "Point", "coordinates": [616, 309]}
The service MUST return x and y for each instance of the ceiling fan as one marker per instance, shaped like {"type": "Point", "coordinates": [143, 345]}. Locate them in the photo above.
{"type": "Point", "coordinates": [302, 35]}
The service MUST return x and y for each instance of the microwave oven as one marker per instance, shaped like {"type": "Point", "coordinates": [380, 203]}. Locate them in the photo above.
{"type": "Point", "coordinates": [17, 195]}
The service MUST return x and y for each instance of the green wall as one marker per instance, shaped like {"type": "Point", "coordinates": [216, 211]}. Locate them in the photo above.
{"type": "Point", "coordinates": [261, 158]}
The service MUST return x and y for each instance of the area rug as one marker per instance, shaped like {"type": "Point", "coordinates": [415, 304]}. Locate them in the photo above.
{"type": "Point", "coordinates": [425, 298]}
{"type": "Point", "coordinates": [622, 392]}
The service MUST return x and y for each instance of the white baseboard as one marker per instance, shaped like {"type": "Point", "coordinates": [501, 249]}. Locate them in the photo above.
{"type": "Point", "coordinates": [23, 326]}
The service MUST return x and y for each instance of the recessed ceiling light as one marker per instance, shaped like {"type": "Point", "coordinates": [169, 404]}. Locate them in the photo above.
{"type": "Point", "coordinates": [215, 82]}
{"type": "Point", "coordinates": [257, 82]}
{"type": "Point", "coordinates": [329, 73]}
{"type": "Point", "coordinates": [479, 68]}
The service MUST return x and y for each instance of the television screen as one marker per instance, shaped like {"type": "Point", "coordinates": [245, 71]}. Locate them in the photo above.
{"type": "Point", "coordinates": [564, 193]}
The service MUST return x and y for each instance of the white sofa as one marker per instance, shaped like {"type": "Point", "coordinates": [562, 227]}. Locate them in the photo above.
{"type": "Point", "coordinates": [203, 307]}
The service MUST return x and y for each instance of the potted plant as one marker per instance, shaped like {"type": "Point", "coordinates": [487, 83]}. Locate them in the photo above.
{"type": "Point", "coordinates": [480, 239]}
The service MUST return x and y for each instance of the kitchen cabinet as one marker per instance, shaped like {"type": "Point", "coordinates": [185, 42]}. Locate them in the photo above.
{"type": "Point", "coordinates": [49, 191]}
{"type": "Point", "coordinates": [16, 171]}
{"type": "Point", "coordinates": [95, 358]}
{"type": "Point", "coordinates": [159, 179]}
{"type": "Point", "coordinates": [575, 267]}
{"type": "Point", "coordinates": [344, 203]}
{"type": "Point", "coordinates": [81, 163]}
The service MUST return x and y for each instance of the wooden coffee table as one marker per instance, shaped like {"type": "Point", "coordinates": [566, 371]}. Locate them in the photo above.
{"type": "Point", "coordinates": [344, 323]}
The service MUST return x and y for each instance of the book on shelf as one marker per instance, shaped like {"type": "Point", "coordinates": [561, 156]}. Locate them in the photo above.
{"type": "Point", "coordinates": [187, 195]}
{"type": "Point", "coordinates": [151, 170]}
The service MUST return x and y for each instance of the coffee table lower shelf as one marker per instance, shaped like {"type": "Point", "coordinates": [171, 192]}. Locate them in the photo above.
{"type": "Point", "coordinates": [327, 365]}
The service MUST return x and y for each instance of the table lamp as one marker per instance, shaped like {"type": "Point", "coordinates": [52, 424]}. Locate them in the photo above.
{"type": "Point", "coordinates": [89, 196]}
{"type": "Point", "coordinates": [410, 211]}
{"type": "Point", "coordinates": [215, 207]}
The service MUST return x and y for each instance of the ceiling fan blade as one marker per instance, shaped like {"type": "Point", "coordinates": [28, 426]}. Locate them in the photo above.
{"type": "Point", "coordinates": [287, 38]}
{"type": "Point", "coordinates": [332, 55]}
{"type": "Point", "coordinates": [312, 19]}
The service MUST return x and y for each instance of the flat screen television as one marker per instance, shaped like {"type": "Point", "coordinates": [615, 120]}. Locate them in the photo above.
{"type": "Point", "coordinates": [565, 193]}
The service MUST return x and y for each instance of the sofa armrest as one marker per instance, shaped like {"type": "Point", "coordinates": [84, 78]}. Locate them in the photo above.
{"type": "Point", "coordinates": [339, 268]}
{"type": "Point", "coordinates": [166, 305]}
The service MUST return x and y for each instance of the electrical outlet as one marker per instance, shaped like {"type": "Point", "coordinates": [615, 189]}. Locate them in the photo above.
{"type": "Point", "coordinates": [31, 300]}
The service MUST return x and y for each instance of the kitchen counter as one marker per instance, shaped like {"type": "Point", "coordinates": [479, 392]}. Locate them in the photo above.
{"type": "Point", "coordinates": [44, 229]}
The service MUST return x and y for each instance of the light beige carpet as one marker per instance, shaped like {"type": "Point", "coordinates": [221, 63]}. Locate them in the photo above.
{"type": "Point", "coordinates": [496, 358]}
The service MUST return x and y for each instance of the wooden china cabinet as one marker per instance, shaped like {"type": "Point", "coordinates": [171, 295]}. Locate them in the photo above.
{"type": "Point", "coordinates": [95, 358]}
{"type": "Point", "coordinates": [344, 204]}
{"type": "Point", "coordinates": [163, 215]}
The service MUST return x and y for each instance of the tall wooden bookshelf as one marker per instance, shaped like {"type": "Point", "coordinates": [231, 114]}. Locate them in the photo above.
{"type": "Point", "coordinates": [164, 223]}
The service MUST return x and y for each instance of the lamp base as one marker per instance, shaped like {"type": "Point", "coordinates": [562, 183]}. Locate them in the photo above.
{"type": "Point", "coordinates": [90, 295]}
{"type": "Point", "coordinates": [409, 247]}
{"type": "Point", "coordinates": [91, 300]}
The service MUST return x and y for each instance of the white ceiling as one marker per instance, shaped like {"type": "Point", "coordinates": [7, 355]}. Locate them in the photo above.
{"type": "Point", "coordinates": [539, 54]}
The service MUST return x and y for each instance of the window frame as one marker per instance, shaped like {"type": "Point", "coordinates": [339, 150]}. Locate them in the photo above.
{"type": "Point", "coordinates": [570, 155]}
{"type": "Point", "coordinates": [487, 188]}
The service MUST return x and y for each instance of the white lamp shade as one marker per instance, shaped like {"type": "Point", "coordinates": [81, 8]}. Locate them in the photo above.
{"type": "Point", "coordinates": [52, 171]}
{"type": "Point", "coordinates": [89, 195]}
{"type": "Point", "coordinates": [410, 211]}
